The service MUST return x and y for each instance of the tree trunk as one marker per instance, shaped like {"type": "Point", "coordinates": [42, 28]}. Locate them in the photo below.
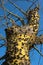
{"type": "Point", "coordinates": [17, 52]}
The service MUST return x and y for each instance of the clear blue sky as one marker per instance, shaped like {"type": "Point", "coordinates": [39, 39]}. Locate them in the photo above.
{"type": "Point", "coordinates": [34, 56]}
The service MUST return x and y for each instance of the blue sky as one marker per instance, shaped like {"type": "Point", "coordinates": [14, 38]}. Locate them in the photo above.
{"type": "Point", "coordinates": [34, 56]}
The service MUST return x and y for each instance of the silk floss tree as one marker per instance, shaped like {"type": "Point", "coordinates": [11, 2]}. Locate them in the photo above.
{"type": "Point", "coordinates": [21, 39]}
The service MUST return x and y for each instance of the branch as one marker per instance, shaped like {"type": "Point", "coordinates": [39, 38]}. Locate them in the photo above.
{"type": "Point", "coordinates": [12, 21]}
{"type": "Point", "coordinates": [39, 39]}
{"type": "Point", "coordinates": [21, 19]}
{"type": "Point", "coordinates": [39, 31]}
{"type": "Point", "coordinates": [1, 45]}
{"type": "Point", "coordinates": [2, 38]}
{"type": "Point", "coordinates": [4, 17]}
{"type": "Point", "coordinates": [18, 8]}
{"type": "Point", "coordinates": [38, 51]}
{"type": "Point", "coordinates": [40, 56]}
{"type": "Point", "coordinates": [31, 6]}
{"type": "Point", "coordinates": [3, 57]}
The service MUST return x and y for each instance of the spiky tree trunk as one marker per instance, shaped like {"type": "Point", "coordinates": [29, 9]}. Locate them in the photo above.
{"type": "Point", "coordinates": [20, 40]}
{"type": "Point", "coordinates": [19, 45]}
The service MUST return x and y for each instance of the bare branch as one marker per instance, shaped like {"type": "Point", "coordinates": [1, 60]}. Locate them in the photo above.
{"type": "Point", "coordinates": [11, 20]}
{"type": "Point", "coordinates": [38, 51]}
{"type": "Point", "coordinates": [21, 19]}
{"type": "Point", "coordinates": [1, 45]}
{"type": "Point", "coordinates": [39, 39]}
{"type": "Point", "coordinates": [39, 31]}
{"type": "Point", "coordinates": [4, 17]}
{"type": "Point", "coordinates": [40, 56]}
{"type": "Point", "coordinates": [5, 9]}
{"type": "Point", "coordinates": [1, 58]}
{"type": "Point", "coordinates": [31, 6]}
{"type": "Point", "coordinates": [18, 8]}
{"type": "Point", "coordinates": [2, 38]}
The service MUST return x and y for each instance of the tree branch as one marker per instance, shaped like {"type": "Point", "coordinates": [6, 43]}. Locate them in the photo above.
{"type": "Point", "coordinates": [21, 19]}
{"type": "Point", "coordinates": [4, 17]}
{"type": "Point", "coordinates": [31, 6]}
{"type": "Point", "coordinates": [3, 57]}
{"type": "Point", "coordinates": [39, 39]}
{"type": "Point", "coordinates": [1, 45]}
{"type": "Point", "coordinates": [15, 15]}
{"type": "Point", "coordinates": [18, 8]}
{"type": "Point", "coordinates": [2, 38]}
{"type": "Point", "coordinates": [38, 51]}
